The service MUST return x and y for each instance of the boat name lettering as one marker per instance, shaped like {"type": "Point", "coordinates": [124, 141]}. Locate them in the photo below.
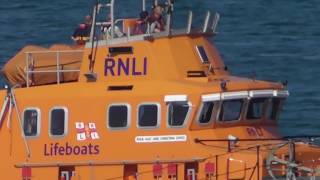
{"type": "Point", "coordinates": [55, 149]}
{"type": "Point", "coordinates": [158, 139]}
{"type": "Point", "coordinates": [127, 67]}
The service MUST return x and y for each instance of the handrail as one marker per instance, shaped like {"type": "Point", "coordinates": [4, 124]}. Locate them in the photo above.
{"type": "Point", "coordinates": [55, 51]}
{"type": "Point", "coordinates": [101, 163]}
{"type": "Point", "coordinates": [284, 138]}
{"type": "Point", "coordinates": [215, 22]}
{"type": "Point", "coordinates": [206, 22]}
{"type": "Point", "coordinates": [189, 25]}
{"type": "Point", "coordinates": [58, 53]}
{"type": "Point", "coordinates": [206, 29]}
{"type": "Point", "coordinates": [53, 71]}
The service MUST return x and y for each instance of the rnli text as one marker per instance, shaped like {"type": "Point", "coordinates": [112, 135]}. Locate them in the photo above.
{"type": "Point", "coordinates": [129, 66]}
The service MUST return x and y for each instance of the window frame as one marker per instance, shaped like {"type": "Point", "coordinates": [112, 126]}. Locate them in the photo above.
{"type": "Point", "coordinates": [233, 95]}
{"type": "Point", "coordinates": [264, 109]}
{"type": "Point", "coordinates": [268, 110]}
{"type": "Point", "coordinates": [38, 122]}
{"type": "Point", "coordinates": [244, 107]}
{"type": "Point", "coordinates": [66, 121]}
{"type": "Point", "coordinates": [213, 114]}
{"type": "Point", "coordinates": [282, 96]}
{"type": "Point", "coordinates": [214, 97]}
{"type": "Point", "coordinates": [158, 115]}
{"type": "Point", "coordinates": [200, 56]}
{"type": "Point", "coordinates": [128, 116]}
{"type": "Point", "coordinates": [187, 115]}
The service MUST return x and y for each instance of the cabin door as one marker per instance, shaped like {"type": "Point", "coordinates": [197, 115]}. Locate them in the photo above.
{"type": "Point", "coordinates": [190, 171]}
{"type": "Point", "coordinates": [66, 173]}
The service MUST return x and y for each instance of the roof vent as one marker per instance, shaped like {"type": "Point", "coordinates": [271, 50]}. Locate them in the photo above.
{"type": "Point", "coordinates": [121, 50]}
{"type": "Point", "coordinates": [120, 88]}
{"type": "Point", "coordinates": [196, 74]}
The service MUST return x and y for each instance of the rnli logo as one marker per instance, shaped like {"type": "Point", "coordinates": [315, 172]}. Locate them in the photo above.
{"type": "Point", "coordinates": [86, 131]}
{"type": "Point", "coordinates": [125, 67]}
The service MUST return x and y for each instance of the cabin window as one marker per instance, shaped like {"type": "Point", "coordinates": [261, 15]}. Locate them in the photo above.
{"type": "Point", "coordinates": [206, 112]}
{"type": "Point", "coordinates": [231, 110]}
{"type": "Point", "coordinates": [148, 115]}
{"type": "Point", "coordinates": [274, 108]}
{"type": "Point", "coordinates": [177, 113]}
{"type": "Point", "coordinates": [202, 54]}
{"type": "Point", "coordinates": [118, 116]}
{"type": "Point", "coordinates": [58, 121]}
{"type": "Point", "coordinates": [31, 124]}
{"type": "Point", "coordinates": [255, 108]}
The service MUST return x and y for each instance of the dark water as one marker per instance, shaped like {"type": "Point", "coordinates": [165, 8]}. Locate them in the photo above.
{"type": "Point", "coordinates": [275, 39]}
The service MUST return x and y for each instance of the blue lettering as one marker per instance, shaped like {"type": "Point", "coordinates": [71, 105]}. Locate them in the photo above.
{"type": "Point", "coordinates": [67, 149]}
{"type": "Point", "coordinates": [124, 67]}
{"type": "Point", "coordinates": [145, 66]}
{"type": "Point", "coordinates": [46, 153]}
{"type": "Point", "coordinates": [134, 72]}
{"type": "Point", "coordinates": [109, 66]}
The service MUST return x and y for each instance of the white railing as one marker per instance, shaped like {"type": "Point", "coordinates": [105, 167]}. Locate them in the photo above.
{"type": "Point", "coordinates": [209, 26]}
{"type": "Point", "coordinates": [31, 60]}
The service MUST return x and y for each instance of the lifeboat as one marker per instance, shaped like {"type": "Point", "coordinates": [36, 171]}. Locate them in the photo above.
{"type": "Point", "coordinates": [157, 104]}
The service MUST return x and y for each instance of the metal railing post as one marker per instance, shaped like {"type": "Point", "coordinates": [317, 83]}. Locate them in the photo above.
{"type": "Point", "coordinates": [112, 18]}
{"type": "Point", "coordinates": [215, 22]}
{"type": "Point", "coordinates": [168, 27]}
{"type": "Point", "coordinates": [169, 16]}
{"type": "Point", "coordinates": [189, 22]}
{"type": "Point", "coordinates": [143, 5]}
{"type": "Point", "coordinates": [128, 33]}
{"type": "Point", "coordinates": [27, 68]}
{"type": "Point", "coordinates": [58, 68]}
{"type": "Point", "coordinates": [92, 33]}
{"type": "Point", "coordinates": [148, 29]}
{"type": "Point", "coordinates": [206, 22]}
{"type": "Point", "coordinates": [217, 171]}
{"type": "Point", "coordinates": [258, 161]}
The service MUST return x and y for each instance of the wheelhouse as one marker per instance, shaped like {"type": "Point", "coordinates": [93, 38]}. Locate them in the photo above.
{"type": "Point", "coordinates": [243, 107]}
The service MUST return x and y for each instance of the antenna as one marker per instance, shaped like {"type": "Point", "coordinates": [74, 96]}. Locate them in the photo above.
{"type": "Point", "coordinates": [92, 35]}
{"type": "Point", "coordinates": [91, 76]}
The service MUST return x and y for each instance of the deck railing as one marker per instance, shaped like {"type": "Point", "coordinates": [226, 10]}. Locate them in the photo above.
{"type": "Point", "coordinates": [30, 60]}
{"type": "Point", "coordinates": [209, 25]}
